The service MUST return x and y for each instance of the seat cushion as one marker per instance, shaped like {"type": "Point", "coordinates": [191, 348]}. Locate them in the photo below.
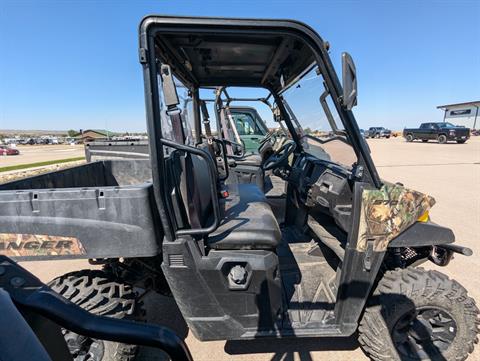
{"type": "Point", "coordinates": [247, 221]}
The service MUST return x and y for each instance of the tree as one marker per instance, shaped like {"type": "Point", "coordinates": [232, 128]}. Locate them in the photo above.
{"type": "Point", "coordinates": [72, 133]}
{"type": "Point", "coordinates": [308, 131]}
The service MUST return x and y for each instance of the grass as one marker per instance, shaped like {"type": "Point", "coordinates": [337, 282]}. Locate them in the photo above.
{"type": "Point", "coordinates": [38, 164]}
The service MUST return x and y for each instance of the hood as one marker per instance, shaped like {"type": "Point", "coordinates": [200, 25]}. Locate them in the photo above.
{"type": "Point", "coordinates": [457, 129]}
{"type": "Point", "coordinates": [387, 212]}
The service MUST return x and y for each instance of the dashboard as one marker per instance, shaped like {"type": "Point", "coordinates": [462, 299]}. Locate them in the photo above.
{"type": "Point", "coordinates": [323, 186]}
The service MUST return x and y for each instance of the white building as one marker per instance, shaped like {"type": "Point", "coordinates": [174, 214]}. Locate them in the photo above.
{"type": "Point", "coordinates": [466, 114]}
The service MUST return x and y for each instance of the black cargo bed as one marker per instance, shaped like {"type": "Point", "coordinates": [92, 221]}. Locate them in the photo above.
{"type": "Point", "coordinates": [103, 209]}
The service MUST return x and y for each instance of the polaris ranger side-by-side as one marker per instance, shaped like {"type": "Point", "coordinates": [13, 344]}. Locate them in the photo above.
{"type": "Point", "coordinates": [337, 252]}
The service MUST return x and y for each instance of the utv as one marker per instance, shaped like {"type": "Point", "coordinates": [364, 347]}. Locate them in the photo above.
{"type": "Point", "coordinates": [241, 123]}
{"type": "Point", "coordinates": [335, 253]}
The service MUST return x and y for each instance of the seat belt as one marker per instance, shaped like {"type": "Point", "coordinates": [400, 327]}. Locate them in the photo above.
{"type": "Point", "coordinates": [224, 130]}
{"type": "Point", "coordinates": [206, 121]}
{"type": "Point", "coordinates": [171, 101]}
{"type": "Point", "coordinates": [208, 129]}
{"type": "Point", "coordinates": [233, 126]}
{"type": "Point", "coordinates": [189, 190]}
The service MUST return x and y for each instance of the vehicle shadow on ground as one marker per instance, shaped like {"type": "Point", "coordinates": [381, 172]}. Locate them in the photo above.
{"type": "Point", "coordinates": [289, 349]}
{"type": "Point", "coordinates": [164, 311]}
{"type": "Point", "coordinates": [285, 349]}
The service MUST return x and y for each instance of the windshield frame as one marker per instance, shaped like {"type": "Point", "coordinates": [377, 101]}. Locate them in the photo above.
{"type": "Point", "coordinates": [334, 133]}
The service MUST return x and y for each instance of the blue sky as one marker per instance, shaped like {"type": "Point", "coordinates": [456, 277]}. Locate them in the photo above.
{"type": "Point", "coordinates": [74, 64]}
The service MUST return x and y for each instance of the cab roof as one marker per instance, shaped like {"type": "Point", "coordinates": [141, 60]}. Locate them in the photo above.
{"type": "Point", "coordinates": [232, 52]}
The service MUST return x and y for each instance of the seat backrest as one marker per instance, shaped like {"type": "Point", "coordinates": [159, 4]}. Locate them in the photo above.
{"type": "Point", "coordinates": [190, 189]}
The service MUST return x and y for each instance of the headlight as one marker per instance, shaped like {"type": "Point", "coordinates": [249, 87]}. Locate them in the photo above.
{"type": "Point", "coordinates": [424, 217]}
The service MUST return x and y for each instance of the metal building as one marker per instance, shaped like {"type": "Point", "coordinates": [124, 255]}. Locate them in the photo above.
{"type": "Point", "coordinates": [466, 114]}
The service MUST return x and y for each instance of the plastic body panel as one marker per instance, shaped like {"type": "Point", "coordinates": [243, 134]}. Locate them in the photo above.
{"type": "Point", "coordinates": [213, 308]}
{"type": "Point", "coordinates": [98, 150]}
{"type": "Point", "coordinates": [94, 203]}
{"type": "Point", "coordinates": [423, 234]}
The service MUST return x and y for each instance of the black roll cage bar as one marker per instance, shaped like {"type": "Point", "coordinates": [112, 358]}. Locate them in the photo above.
{"type": "Point", "coordinates": [35, 299]}
{"type": "Point", "coordinates": [151, 25]}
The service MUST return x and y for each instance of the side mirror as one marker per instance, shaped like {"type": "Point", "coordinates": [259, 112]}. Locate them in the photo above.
{"type": "Point", "coordinates": [349, 78]}
{"type": "Point", "coordinates": [276, 114]}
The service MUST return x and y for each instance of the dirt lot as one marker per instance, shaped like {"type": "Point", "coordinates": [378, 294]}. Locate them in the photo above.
{"type": "Point", "coordinates": [41, 153]}
{"type": "Point", "coordinates": [450, 173]}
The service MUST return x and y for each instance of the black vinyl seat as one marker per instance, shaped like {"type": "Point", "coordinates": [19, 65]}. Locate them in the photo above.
{"type": "Point", "coordinates": [247, 221]}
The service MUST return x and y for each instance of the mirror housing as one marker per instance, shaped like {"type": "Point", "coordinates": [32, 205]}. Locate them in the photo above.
{"type": "Point", "coordinates": [349, 79]}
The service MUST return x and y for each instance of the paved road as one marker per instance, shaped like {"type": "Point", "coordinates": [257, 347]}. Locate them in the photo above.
{"type": "Point", "coordinates": [450, 173]}
{"type": "Point", "coordinates": [41, 153]}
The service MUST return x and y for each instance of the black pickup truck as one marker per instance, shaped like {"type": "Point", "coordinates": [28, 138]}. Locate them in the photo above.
{"type": "Point", "coordinates": [441, 131]}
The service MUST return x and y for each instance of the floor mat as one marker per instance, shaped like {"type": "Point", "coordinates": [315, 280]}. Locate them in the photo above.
{"type": "Point", "coordinates": [308, 281]}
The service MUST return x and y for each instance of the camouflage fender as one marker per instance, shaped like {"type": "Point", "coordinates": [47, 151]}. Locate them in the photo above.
{"type": "Point", "coordinates": [387, 212]}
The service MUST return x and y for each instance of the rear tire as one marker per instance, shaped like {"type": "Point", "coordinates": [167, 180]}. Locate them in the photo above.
{"type": "Point", "coordinates": [419, 315]}
{"type": "Point", "coordinates": [409, 138]}
{"type": "Point", "coordinates": [461, 141]}
{"type": "Point", "coordinates": [425, 140]}
{"type": "Point", "coordinates": [442, 139]}
{"type": "Point", "coordinates": [100, 294]}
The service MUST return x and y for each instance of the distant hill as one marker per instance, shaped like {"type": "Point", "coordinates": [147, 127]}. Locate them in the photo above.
{"type": "Point", "coordinates": [12, 132]}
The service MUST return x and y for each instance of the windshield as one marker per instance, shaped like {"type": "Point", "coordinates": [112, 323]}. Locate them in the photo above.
{"type": "Point", "coordinates": [320, 136]}
{"type": "Point", "coordinates": [446, 125]}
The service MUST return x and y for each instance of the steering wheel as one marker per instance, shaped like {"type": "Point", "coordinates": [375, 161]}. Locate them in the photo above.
{"type": "Point", "coordinates": [280, 157]}
{"type": "Point", "coordinates": [266, 139]}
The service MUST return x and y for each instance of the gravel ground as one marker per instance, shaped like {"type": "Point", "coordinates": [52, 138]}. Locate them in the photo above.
{"type": "Point", "coordinates": [450, 173]}
{"type": "Point", "coordinates": [42, 153]}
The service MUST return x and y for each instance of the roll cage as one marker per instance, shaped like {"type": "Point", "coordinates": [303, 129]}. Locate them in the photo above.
{"type": "Point", "coordinates": [281, 50]}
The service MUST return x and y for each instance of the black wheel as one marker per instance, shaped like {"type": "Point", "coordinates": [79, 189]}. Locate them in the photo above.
{"type": "Point", "coordinates": [442, 138]}
{"type": "Point", "coordinates": [409, 138]}
{"type": "Point", "coordinates": [100, 294]}
{"type": "Point", "coordinates": [424, 140]}
{"type": "Point", "coordinates": [387, 136]}
{"type": "Point", "coordinates": [419, 315]}
{"type": "Point", "coordinates": [461, 141]}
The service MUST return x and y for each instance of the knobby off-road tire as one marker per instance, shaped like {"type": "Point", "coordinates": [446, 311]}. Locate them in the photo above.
{"type": "Point", "coordinates": [100, 294]}
{"type": "Point", "coordinates": [387, 326]}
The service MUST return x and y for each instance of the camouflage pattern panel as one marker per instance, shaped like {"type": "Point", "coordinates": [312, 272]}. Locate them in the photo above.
{"type": "Point", "coordinates": [35, 245]}
{"type": "Point", "coordinates": [387, 212]}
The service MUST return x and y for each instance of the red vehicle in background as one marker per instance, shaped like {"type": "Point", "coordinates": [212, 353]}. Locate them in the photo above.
{"type": "Point", "coordinates": [8, 151]}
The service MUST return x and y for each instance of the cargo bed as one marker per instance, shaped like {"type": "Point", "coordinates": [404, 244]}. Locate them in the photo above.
{"type": "Point", "coordinates": [103, 209]}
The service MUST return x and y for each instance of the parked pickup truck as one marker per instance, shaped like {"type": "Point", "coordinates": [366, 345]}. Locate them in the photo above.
{"type": "Point", "coordinates": [378, 132]}
{"type": "Point", "coordinates": [441, 131]}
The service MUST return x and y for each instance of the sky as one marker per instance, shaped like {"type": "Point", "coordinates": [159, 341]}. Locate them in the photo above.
{"type": "Point", "coordinates": [74, 64]}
